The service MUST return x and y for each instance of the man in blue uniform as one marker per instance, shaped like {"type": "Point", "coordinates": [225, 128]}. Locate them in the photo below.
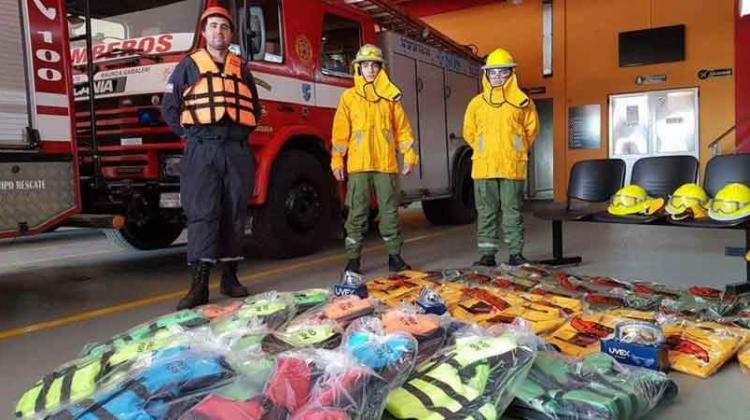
{"type": "Point", "coordinates": [211, 100]}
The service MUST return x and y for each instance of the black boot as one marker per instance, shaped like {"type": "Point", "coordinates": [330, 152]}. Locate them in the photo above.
{"type": "Point", "coordinates": [198, 294]}
{"type": "Point", "coordinates": [230, 284]}
{"type": "Point", "coordinates": [353, 265]}
{"type": "Point", "coordinates": [486, 261]}
{"type": "Point", "coordinates": [517, 259]}
{"type": "Point", "coordinates": [396, 264]}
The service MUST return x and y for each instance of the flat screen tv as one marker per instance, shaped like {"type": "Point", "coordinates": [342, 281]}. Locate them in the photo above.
{"type": "Point", "coordinates": [652, 46]}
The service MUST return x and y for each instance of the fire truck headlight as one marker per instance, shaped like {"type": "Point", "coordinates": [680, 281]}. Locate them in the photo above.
{"type": "Point", "coordinates": [147, 117]}
{"type": "Point", "coordinates": [171, 165]}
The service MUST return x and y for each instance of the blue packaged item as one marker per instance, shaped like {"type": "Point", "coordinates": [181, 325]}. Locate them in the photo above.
{"type": "Point", "coordinates": [351, 284]}
{"type": "Point", "coordinates": [430, 302]}
{"type": "Point", "coordinates": [638, 344]}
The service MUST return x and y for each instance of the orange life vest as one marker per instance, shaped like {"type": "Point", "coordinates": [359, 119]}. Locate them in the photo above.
{"type": "Point", "coordinates": [217, 93]}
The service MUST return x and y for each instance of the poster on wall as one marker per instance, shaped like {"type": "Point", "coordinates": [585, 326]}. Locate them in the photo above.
{"type": "Point", "coordinates": [584, 127]}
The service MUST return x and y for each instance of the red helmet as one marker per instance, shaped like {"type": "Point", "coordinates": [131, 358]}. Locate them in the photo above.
{"type": "Point", "coordinates": [216, 11]}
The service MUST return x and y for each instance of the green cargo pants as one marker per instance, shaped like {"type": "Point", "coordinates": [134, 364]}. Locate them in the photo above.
{"type": "Point", "coordinates": [360, 187]}
{"type": "Point", "coordinates": [495, 196]}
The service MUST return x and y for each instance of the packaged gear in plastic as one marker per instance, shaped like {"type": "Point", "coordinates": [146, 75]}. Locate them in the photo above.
{"type": "Point", "coordinates": [351, 283]}
{"type": "Point", "coordinates": [303, 333]}
{"type": "Point", "coordinates": [391, 355]}
{"type": "Point", "coordinates": [638, 343]}
{"type": "Point", "coordinates": [701, 348]}
{"type": "Point", "coordinates": [83, 377]}
{"type": "Point", "coordinates": [310, 298]}
{"type": "Point", "coordinates": [170, 383]}
{"type": "Point", "coordinates": [169, 325]}
{"type": "Point", "coordinates": [320, 384]}
{"type": "Point", "coordinates": [581, 334]}
{"type": "Point", "coordinates": [471, 378]}
{"type": "Point", "coordinates": [217, 310]}
{"type": "Point", "coordinates": [429, 330]}
{"type": "Point", "coordinates": [272, 309]}
{"type": "Point", "coordinates": [593, 387]}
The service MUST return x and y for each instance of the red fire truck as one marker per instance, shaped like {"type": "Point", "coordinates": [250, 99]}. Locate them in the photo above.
{"type": "Point", "coordinates": [39, 186]}
{"type": "Point", "coordinates": [123, 52]}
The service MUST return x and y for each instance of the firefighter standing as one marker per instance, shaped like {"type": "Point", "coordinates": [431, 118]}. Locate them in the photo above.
{"type": "Point", "coordinates": [211, 100]}
{"type": "Point", "coordinates": [369, 127]}
{"type": "Point", "coordinates": [500, 125]}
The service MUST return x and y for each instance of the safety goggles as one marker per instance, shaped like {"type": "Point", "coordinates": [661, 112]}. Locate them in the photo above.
{"type": "Point", "coordinates": [681, 202]}
{"type": "Point", "coordinates": [727, 206]}
{"type": "Point", "coordinates": [624, 200]}
{"type": "Point", "coordinates": [499, 72]}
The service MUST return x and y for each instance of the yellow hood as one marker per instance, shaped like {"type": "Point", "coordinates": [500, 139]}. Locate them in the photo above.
{"type": "Point", "coordinates": [508, 92]}
{"type": "Point", "coordinates": [380, 88]}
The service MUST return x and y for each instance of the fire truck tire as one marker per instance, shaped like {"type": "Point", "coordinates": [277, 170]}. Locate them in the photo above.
{"type": "Point", "coordinates": [152, 235]}
{"type": "Point", "coordinates": [456, 210]}
{"type": "Point", "coordinates": [296, 219]}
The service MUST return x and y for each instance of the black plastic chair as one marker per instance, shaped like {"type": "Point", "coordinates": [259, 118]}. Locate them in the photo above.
{"type": "Point", "coordinates": [659, 176]}
{"type": "Point", "coordinates": [591, 181]}
{"type": "Point", "coordinates": [722, 170]}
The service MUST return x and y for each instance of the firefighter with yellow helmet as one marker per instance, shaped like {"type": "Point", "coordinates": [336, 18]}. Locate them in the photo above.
{"type": "Point", "coordinates": [500, 126]}
{"type": "Point", "coordinates": [211, 101]}
{"type": "Point", "coordinates": [369, 129]}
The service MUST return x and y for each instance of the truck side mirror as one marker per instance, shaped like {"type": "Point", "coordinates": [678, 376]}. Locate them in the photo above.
{"type": "Point", "coordinates": [255, 32]}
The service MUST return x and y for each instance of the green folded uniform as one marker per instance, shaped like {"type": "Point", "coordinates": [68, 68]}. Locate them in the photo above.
{"type": "Point", "coordinates": [595, 387]}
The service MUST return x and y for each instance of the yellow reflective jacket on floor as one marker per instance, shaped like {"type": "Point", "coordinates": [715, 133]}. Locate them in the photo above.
{"type": "Point", "coordinates": [701, 348]}
{"type": "Point", "coordinates": [500, 125]}
{"type": "Point", "coordinates": [369, 127]}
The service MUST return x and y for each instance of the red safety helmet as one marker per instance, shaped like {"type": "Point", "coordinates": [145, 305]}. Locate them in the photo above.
{"type": "Point", "coordinates": [216, 11]}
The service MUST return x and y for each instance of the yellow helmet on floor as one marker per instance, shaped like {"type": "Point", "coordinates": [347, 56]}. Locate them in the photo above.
{"type": "Point", "coordinates": [369, 52]}
{"type": "Point", "coordinates": [688, 196]}
{"type": "Point", "coordinates": [633, 199]}
{"type": "Point", "coordinates": [498, 59]}
{"type": "Point", "coordinates": [732, 202]}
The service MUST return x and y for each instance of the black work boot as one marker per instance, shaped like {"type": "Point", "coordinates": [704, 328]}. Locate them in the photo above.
{"type": "Point", "coordinates": [353, 265]}
{"type": "Point", "coordinates": [396, 263]}
{"type": "Point", "coordinates": [198, 294]}
{"type": "Point", "coordinates": [517, 259]}
{"type": "Point", "coordinates": [486, 261]}
{"type": "Point", "coordinates": [230, 284]}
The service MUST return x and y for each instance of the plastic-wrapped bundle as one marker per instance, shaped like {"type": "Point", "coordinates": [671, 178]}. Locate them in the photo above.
{"type": "Point", "coordinates": [171, 382]}
{"type": "Point", "coordinates": [429, 330]}
{"type": "Point", "coordinates": [217, 310]}
{"type": "Point", "coordinates": [309, 384]}
{"type": "Point", "coordinates": [392, 289]}
{"type": "Point", "coordinates": [85, 376]}
{"type": "Point", "coordinates": [271, 309]}
{"type": "Point", "coordinates": [594, 387]}
{"type": "Point", "coordinates": [169, 325]}
{"type": "Point", "coordinates": [581, 335]}
{"type": "Point", "coordinates": [472, 378]}
{"type": "Point", "coordinates": [302, 333]}
{"type": "Point", "coordinates": [391, 355]}
{"type": "Point", "coordinates": [701, 301]}
{"type": "Point", "coordinates": [309, 298]}
{"type": "Point", "coordinates": [701, 348]}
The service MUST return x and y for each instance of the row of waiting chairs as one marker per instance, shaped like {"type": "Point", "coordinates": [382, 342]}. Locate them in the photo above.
{"type": "Point", "coordinates": [596, 181]}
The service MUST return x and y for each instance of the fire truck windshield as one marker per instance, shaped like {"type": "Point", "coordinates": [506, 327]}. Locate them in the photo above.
{"type": "Point", "coordinates": [149, 27]}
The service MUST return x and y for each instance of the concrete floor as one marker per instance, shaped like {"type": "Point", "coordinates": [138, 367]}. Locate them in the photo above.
{"type": "Point", "coordinates": [62, 290]}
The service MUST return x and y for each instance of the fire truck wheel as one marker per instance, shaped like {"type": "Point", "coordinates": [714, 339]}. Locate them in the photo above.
{"type": "Point", "coordinates": [154, 234]}
{"type": "Point", "coordinates": [295, 219]}
{"type": "Point", "coordinates": [456, 210]}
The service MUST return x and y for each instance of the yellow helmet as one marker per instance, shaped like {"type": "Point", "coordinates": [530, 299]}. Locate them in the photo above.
{"type": "Point", "coordinates": [633, 199]}
{"type": "Point", "coordinates": [687, 196]}
{"type": "Point", "coordinates": [369, 52]}
{"type": "Point", "coordinates": [732, 202]}
{"type": "Point", "coordinates": [498, 59]}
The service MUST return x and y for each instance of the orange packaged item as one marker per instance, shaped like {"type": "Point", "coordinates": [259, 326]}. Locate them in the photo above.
{"type": "Point", "coordinates": [345, 309]}
{"type": "Point", "coordinates": [701, 348]}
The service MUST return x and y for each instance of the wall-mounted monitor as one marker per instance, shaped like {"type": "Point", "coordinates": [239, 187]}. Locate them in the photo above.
{"type": "Point", "coordinates": [652, 46]}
